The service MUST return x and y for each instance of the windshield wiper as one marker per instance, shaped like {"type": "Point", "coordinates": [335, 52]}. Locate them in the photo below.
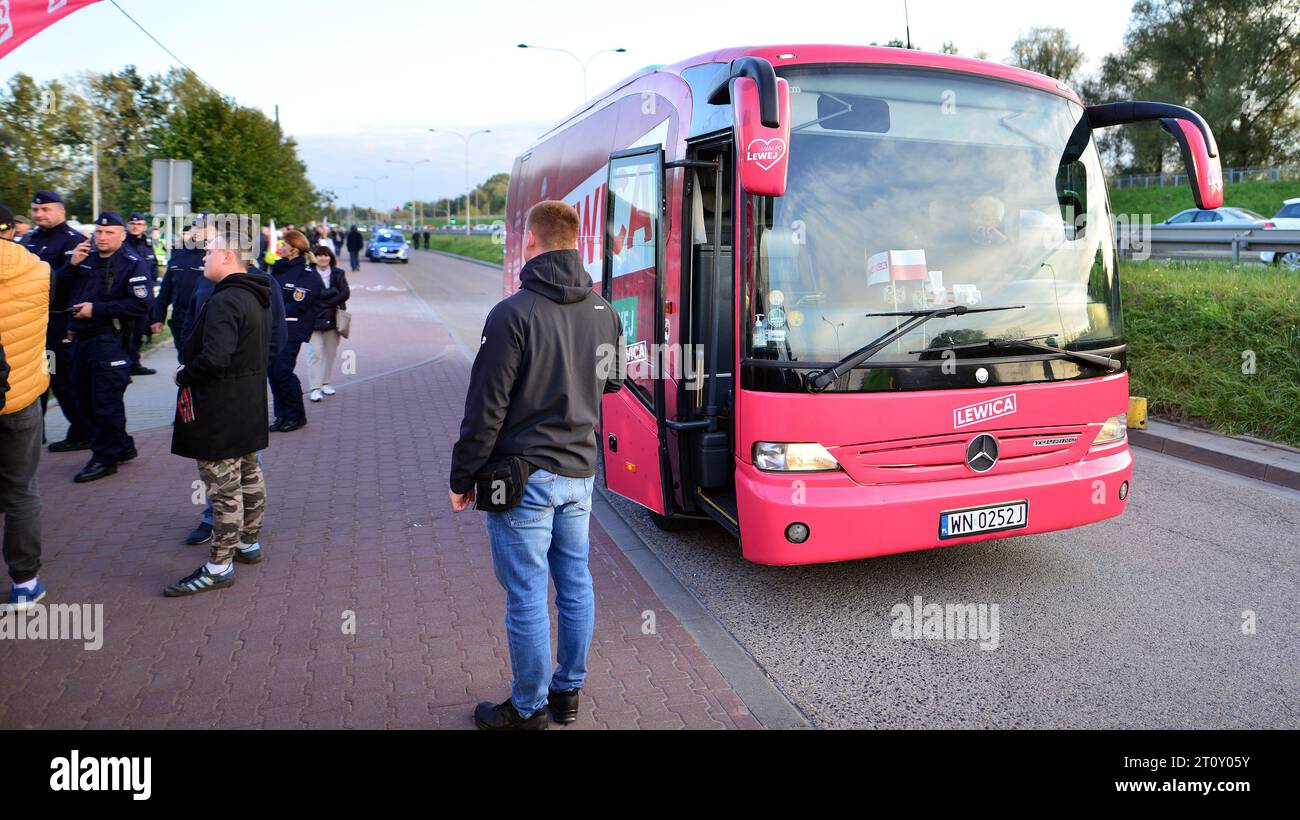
{"type": "Point", "coordinates": [823, 378]}
{"type": "Point", "coordinates": [1032, 343]}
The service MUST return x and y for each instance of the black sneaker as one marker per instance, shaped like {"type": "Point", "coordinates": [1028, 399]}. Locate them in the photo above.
{"type": "Point", "coordinates": [200, 580]}
{"type": "Point", "coordinates": [129, 454]}
{"type": "Point", "coordinates": [563, 705]}
{"type": "Point", "coordinates": [504, 716]}
{"type": "Point", "coordinates": [202, 534]}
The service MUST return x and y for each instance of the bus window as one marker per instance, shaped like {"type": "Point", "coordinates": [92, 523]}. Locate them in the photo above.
{"type": "Point", "coordinates": [911, 207]}
{"type": "Point", "coordinates": [631, 258]}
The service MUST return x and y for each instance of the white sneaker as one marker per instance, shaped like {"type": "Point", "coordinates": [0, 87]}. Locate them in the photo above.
{"type": "Point", "coordinates": [315, 395]}
{"type": "Point", "coordinates": [327, 390]}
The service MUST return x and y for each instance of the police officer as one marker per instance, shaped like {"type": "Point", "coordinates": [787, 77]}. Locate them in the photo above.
{"type": "Point", "coordinates": [184, 270]}
{"type": "Point", "coordinates": [138, 241]}
{"type": "Point", "coordinates": [301, 289]}
{"type": "Point", "coordinates": [53, 241]}
{"type": "Point", "coordinates": [108, 287]}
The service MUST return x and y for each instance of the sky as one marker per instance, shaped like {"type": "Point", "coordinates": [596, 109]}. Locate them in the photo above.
{"type": "Point", "coordinates": [358, 84]}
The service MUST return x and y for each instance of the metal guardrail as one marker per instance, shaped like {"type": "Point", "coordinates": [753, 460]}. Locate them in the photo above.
{"type": "Point", "coordinates": [1197, 242]}
{"type": "Point", "coordinates": [1271, 173]}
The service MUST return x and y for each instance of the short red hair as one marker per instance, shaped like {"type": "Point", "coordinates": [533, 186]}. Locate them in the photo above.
{"type": "Point", "coordinates": [554, 223]}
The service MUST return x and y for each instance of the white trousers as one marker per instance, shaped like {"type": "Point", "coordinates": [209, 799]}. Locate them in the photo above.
{"type": "Point", "coordinates": [321, 350]}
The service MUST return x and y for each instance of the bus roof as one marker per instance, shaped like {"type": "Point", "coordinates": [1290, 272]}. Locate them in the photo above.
{"type": "Point", "coordinates": [787, 55]}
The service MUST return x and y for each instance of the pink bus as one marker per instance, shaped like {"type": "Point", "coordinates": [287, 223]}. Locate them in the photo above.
{"type": "Point", "coordinates": [870, 295]}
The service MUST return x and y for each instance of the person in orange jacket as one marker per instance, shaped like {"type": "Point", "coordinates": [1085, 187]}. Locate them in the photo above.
{"type": "Point", "coordinates": [24, 378]}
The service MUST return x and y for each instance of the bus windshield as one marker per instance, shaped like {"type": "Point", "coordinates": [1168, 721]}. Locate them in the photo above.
{"type": "Point", "coordinates": [912, 189]}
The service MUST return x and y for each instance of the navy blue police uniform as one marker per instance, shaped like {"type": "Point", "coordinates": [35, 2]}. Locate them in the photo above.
{"type": "Point", "coordinates": [54, 246]}
{"type": "Point", "coordinates": [184, 270]}
{"type": "Point", "coordinates": [301, 289]}
{"type": "Point", "coordinates": [142, 246]}
{"type": "Point", "coordinates": [117, 287]}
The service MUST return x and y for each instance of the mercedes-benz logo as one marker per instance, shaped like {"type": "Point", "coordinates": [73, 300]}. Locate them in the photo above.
{"type": "Point", "coordinates": [982, 453]}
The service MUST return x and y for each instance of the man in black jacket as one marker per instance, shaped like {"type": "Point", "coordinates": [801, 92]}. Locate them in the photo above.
{"type": "Point", "coordinates": [547, 354]}
{"type": "Point", "coordinates": [356, 243]}
{"type": "Point", "coordinates": [221, 414]}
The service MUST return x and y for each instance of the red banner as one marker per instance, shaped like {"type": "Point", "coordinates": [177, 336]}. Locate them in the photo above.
{"type": "Point", "coordinates": [20, 19]}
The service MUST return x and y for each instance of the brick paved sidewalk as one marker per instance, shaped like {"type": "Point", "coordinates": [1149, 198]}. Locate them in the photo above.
{"type": "Point", "coordinates": [357, 521]}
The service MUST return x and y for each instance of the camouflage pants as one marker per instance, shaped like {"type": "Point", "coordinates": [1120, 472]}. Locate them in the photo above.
{"type": "Point", "coordinates": [238, 495]}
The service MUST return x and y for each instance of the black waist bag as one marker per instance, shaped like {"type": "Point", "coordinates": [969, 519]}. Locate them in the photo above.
{"type": "Point", "coordinates": [500, 485]}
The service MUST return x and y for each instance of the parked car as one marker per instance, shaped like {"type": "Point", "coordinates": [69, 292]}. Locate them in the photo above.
{"type": "Point", "coordinates": [1219, 217]}
{"type": "Point", "coordinates": [388, 244]}
{"type": "Point", "coordinates": [1194, 218]}
{"type": "Point", "coordinates": [1287, 218]}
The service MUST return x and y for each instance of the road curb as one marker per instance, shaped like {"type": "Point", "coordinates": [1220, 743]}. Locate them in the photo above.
{"type": "Point", "coordinates": [494, 266]}
{"type": "Point", "coordinates": [765, 701]}
{"type": "Point", "coordinates": [1263, 461]}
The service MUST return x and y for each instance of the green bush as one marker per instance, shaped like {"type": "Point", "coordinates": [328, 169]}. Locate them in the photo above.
{"type": "Point", "coordinates": [1194, 327]}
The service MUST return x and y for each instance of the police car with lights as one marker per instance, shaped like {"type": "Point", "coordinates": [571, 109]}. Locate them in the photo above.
{"type": "Point", "coordinates": [388, 245]}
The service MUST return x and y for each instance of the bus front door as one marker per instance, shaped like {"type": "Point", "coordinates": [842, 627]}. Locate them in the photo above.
{"type": "Point", "coordinates": [632, 278]}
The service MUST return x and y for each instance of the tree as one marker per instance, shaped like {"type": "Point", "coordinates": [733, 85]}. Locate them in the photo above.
{"type": "Point", "coordinates": [39, 142]}
{"type": "Point", "coordinates": [1236, 62]}
{"type": "Point", "coordinates": [243, 163]}
{"type": "Point", "coordinates": [124, 110]}
{"type": "Point", "coordinates": [1048, 51]}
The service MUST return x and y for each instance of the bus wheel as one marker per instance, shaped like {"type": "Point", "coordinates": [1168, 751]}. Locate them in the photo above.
{"type": "Point", "coordinates": [676, 523]}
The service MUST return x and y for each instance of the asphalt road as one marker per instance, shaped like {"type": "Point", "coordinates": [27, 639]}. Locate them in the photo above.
{"type": "Point", "coordinates": [1135, 622]}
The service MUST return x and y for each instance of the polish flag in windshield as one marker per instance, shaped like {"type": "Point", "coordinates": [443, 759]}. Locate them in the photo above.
{"type": "Point", "coordinates": [895, 266]}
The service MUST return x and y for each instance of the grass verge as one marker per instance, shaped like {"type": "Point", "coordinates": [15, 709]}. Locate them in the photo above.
{"type": "Point", "coordinates": [1216, 345]}
{"type": "Point", "coordinates": [475, 247]}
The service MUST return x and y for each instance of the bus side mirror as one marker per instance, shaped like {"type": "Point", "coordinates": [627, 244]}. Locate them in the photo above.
{"type": "Point", "coordinates": [1203, 168]}
{"type": "Point", "coordinates": [761, 106]}
{"type": "Point", "coordinates": [1200, 151]}
{"type": "Point", "coordinates": [762, 151]}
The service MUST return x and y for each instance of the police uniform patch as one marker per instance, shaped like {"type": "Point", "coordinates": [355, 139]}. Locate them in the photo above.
{"type": "Point", "coordinates": [299, 294]}
{"type": "Point", "coordinates": [139, 291]}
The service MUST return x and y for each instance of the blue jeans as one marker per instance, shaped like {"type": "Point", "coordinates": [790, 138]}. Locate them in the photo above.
{"type": "Point", "coordinates": [548, 528]}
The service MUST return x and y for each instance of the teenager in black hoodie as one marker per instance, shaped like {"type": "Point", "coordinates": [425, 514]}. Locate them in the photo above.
{"type": "Point", "coordinates": [221, 414]}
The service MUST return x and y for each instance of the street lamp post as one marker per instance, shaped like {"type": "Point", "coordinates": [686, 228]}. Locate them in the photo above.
{"type": "Point", "coordinates": [581, 63]}
{"type": "Point", "coordinates": [411, 165]}
{"type": "Point", "coordinates": [466, 138]}
{"type": "Point", "coordinates": [374, 183]}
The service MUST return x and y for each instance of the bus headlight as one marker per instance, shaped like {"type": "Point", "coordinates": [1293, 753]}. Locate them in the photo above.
{"type": "Point", "coordinates": [1115, 428]}
{"type": "Point", "coordinates": [793, 457]}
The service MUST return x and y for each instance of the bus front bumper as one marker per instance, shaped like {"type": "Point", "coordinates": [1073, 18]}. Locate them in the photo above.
{"type": "Point", "coordinates": [847, 520]}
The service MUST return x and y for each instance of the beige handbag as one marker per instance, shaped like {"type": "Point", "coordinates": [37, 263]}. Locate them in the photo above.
{"type": "Point", "coordinates": [343, 321]}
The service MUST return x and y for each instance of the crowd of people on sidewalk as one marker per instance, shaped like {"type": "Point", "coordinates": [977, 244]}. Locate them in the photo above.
{"type": "Point", "coordinates": [74, 315]}
{"type": "Point", "coordinates": [526, 453]}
